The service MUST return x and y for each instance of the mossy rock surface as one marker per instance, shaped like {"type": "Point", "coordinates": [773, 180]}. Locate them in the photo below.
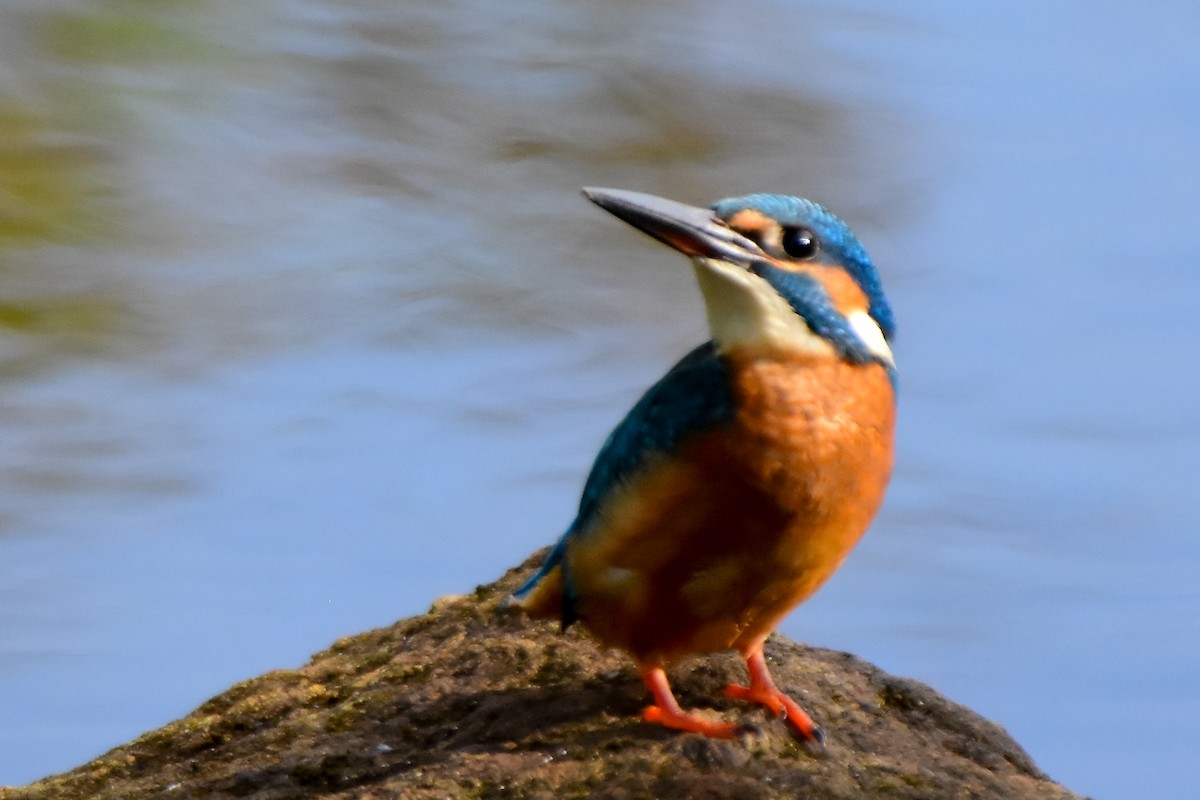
{"type": "Point", "coordinates": [468, 701]}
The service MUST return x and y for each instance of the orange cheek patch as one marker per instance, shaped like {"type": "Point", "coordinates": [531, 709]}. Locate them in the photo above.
{"type": "Point", "coordinates": [846, 294]}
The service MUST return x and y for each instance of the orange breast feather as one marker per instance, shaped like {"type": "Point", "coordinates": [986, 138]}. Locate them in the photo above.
{"type": "Point", "coordinates": [708, 548]}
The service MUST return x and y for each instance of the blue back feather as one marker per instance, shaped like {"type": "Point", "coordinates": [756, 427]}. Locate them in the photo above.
{"type": "Point", "coordinates": [695, 395]}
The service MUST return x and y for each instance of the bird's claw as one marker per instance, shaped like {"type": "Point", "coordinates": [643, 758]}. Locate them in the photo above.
{"type": "Point", "coordinates": [784, 708]}
{"type": "Point", "coordinates": [747, 729]}
{"type": "Point", "coordinates": [691, 723]}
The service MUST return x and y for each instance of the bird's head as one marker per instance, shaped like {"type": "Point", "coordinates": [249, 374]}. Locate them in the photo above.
{"type": "Point", "coordinates": [777, 272]}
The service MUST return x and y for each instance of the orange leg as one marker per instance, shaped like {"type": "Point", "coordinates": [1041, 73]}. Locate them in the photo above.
{"type": "Point", "coordinates": [762, 690]}
{"type": "Point", "coordinates": [666, 710]}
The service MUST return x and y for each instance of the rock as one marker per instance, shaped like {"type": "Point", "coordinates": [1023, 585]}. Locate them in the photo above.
{"type": "Point", "coordinates": [467, 701]}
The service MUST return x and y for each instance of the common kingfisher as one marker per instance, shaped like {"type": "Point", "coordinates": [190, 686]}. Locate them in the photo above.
{"type": "Point", "coordinates": [739, 482]}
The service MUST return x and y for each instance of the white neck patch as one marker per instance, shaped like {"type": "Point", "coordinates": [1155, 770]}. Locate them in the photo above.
{"type": "Point", "coordinates": [872, 337]}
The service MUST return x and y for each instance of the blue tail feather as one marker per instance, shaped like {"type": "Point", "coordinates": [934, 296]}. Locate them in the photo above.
{"type": "Point", "coordinates": [552, 561]}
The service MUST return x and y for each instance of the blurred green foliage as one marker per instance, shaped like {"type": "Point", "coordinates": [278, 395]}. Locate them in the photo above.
{"type": "Point", "coordinates": [125, 31]}
{"type": "Point", "coordinates": [49, 185]}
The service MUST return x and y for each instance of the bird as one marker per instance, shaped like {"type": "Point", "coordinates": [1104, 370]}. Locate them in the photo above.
{"type": "Point", "coordinates": [738, 483]}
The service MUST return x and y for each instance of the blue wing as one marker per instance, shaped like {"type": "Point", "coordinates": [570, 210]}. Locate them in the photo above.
{"type": "Point", "coordinates": [694, 395]}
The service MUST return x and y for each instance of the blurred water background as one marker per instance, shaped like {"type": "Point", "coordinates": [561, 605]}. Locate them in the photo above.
{"type": "Point", "coordinates": [303, 324]}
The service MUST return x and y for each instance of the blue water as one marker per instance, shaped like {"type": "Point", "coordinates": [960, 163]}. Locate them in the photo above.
{"type": "Point", "coordinates": [303, 324]}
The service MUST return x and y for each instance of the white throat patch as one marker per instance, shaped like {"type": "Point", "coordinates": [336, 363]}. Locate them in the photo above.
{"type": "Point", "coordinates": [744, 311]}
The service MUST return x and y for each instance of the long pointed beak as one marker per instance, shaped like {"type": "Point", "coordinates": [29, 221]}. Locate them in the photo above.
{"type": "Point", "coordinates": [693, 231]}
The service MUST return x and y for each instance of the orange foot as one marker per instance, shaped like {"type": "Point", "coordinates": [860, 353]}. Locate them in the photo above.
{"type": "Point", "coordinates": [762, 690]}
{"type": "Point", "coordinates": [666, 711]}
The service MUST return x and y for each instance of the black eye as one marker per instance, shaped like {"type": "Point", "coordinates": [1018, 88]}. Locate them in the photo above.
{"type": "Point", "coordinates": [800, 242]}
